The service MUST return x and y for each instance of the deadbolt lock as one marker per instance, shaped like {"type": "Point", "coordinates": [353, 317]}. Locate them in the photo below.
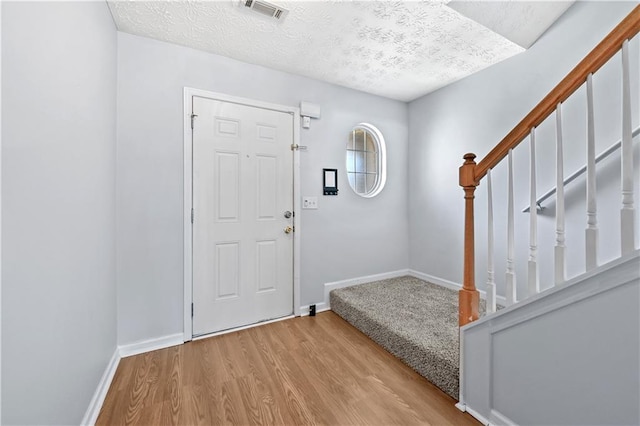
{"type": "Point", "coordinates": [287, 214]}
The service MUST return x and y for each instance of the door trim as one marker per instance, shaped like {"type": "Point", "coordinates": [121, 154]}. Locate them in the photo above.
{"type": "Point", "coordinates": [188, 196]}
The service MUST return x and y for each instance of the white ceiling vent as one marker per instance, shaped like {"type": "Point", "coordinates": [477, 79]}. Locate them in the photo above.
{"type": "Point", "coordinates": [267, 9]}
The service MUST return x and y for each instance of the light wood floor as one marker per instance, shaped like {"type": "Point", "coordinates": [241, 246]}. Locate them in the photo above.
{"type": "Point", "coordinates": [311, 370]}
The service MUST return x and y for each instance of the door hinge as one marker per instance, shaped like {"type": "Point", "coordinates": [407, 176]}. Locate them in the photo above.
{"type": "Point", "coordinates": [192, 215]}
{"type": "Point", "coordinates": [193, 117]}
{"type": "Point", "coordinates": [191, 310]}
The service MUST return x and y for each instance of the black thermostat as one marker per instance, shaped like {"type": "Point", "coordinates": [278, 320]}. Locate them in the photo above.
{"type": "Point", "coordinates": [330, 181]}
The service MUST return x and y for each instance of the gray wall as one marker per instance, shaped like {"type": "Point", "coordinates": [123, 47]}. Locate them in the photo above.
{"type": "Point", "coordinates": [348, 236]}
{"type": "Point", "coordinates": [58, 201]}
{"type": "Point", "coordinates": [474, 114]}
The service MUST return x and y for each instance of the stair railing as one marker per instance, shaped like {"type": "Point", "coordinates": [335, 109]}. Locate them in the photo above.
{"type": "Point", "coordinates": [573, 176]}
{"type": "Point", "coordinates": [472, 173]}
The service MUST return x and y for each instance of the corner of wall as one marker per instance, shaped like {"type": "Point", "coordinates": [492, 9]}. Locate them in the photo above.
{"type": "Point", "coordinates": [95, 405]}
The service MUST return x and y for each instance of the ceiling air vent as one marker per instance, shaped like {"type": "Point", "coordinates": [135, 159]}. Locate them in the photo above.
{"type": "Point", "coordinates": [266, 8]}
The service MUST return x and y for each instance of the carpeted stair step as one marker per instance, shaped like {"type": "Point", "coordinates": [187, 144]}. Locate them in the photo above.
{"type": "Point", "coordinates": [414, 320]}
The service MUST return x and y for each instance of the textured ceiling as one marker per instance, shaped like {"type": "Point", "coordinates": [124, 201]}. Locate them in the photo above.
{"type": "Point", "coordinates": [522, 22]}
{"type": "Point", "coordinates": [397, 49]}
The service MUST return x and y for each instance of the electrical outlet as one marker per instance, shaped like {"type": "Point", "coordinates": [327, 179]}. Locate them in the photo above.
{"type": "Point", "coordinates": [310, 202]}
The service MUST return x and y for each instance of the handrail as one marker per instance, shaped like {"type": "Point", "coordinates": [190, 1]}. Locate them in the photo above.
{"type": "Point", "coordinates": [605, 50]}
{"type": "Point", "coordinates": [607, 152]}
{"type": "Point", "coordinates": [471, 173]}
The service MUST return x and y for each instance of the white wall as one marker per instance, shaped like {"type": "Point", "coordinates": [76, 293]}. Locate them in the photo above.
{"type": "Point", "coordinates": [348, 236]}
{"type": "Point", "coordinates": [58, 208]}
{"type": "Point", "coordinates": [474, 114]}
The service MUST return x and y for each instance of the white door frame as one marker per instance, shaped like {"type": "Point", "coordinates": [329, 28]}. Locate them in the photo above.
{"type": "Point", "coordinates": [188, 196]}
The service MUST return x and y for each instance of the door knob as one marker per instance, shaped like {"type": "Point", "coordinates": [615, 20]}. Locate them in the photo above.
{"type": "Point", "coordinates": [288, 230]}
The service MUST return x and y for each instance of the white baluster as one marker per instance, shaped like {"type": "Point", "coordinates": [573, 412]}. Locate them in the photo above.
{"type": "Point", "coordinates": [559, 249]}
{"type": "Point", "coordinates": [510, 285]}
{"type": "Point", "coordinates": [591, 233]}
{"type": "Point", "coordinates": [627, 213]}
{"type": "Point", "coordinates": [491, 284]}
{"type": "Point", "coordinates": [533, 281]}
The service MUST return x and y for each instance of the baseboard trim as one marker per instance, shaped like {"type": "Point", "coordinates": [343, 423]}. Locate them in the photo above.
{"type": "Point", "coordinates": [463, 407]}
{"type": "Point", "coordinates": [360, 280]}
{"type": "Point", "coordinates": [123, 351]}
{"type": "Point", "coordinates": [437, 280]}
{"type": "Point", "coordinates": [320, 307]}
{"type": "Point", "coordinates": [479, 417]}
{"type": "Point", "coordinates": [151, 345]}
{"type": "Point", "coordinates": [497, 418]}
{"type": "Point", "coordinates": [500, 300]}
{"type": "Point", "coordinates": [91, 415]}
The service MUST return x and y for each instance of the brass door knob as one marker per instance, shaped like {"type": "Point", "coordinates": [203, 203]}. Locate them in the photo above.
{"type": "Point", "coordinates": [288, 230]}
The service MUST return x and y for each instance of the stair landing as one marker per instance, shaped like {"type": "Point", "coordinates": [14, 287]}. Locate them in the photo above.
{"type": "Point", "coordinates": [414, 320]}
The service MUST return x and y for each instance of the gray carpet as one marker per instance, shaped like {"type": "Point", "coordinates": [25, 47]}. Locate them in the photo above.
{"type": "Point", "coordinates": [414, 320]}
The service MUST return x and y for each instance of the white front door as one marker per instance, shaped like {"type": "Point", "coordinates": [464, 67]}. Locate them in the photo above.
{"type": "Point", "coordinates": [242, 233]}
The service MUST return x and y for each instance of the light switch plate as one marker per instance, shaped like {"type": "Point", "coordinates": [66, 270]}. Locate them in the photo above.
{"type": "Point", "coordinates": [309, 202]}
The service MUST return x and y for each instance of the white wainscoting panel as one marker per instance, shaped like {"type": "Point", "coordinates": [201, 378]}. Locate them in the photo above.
{"type": "Point", "coordinates": [555, 344]}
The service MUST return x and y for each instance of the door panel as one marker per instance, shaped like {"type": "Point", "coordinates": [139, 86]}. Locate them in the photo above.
{"type": "Point", "coordinates": [242, 186]}
{"type": "Point", "coordinates": [267, 187]}
{"type": "Point", "coordinates": [227, 181]}
{"type": "Point", "coordinates": [227, 266]}
{"type": "Point", "coordinates": [266, 260]}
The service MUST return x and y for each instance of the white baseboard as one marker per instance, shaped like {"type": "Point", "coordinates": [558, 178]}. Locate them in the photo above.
{"type": "Point", "coordinates": [95, 405]}
{"type": "Point", "coordinates": [150, 345]}
{"type": "Point", "coordinates": [360, 280]}
{"type": "Point", "coordinates": [479, 417]}
{"type": "Point", "coordinates": [497, 418]}
{"type": "Point", "coordinates": [500, 300]}
{"type": "Point", "coordinates": [436, 280]}
{"type": "Point", "coordinates": [320, 307]}
{"type": "Point", "coordinates": [100, 394]}
{"type": "Point", "coordinates": [463, 407]}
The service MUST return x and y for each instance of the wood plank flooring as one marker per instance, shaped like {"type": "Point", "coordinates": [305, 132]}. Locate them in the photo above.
{"type": "Point", "coordinates": [301, 371]}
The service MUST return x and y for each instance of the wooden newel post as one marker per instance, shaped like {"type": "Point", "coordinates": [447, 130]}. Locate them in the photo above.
{"type": "Point", "coordinates": [469, 298]}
